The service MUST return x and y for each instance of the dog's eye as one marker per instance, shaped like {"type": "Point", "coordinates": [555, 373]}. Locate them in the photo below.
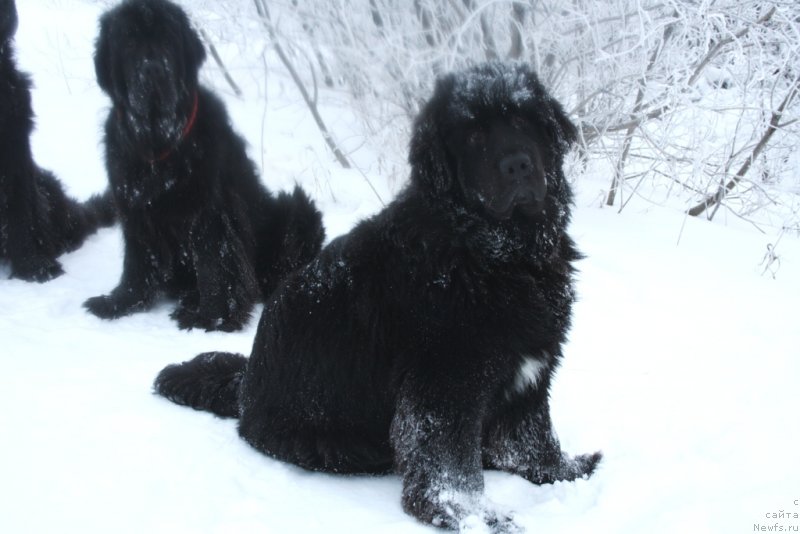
{"type": "Point", "coordinates": [519, 123]}
{"type": "Point", "coordinates": [475, 137]}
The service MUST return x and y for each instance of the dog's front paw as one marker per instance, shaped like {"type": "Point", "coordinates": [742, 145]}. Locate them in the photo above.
{"type": "Point", "coordinates": [465, 511]}
{"type": "Point", "coordinates": [587, 463]}
{"type": "Point", "coordinates": [107, 307]}
{"type": "Point", "coordinates": [102, 306]}
{"type": "Point", "coordinates": [566, 469]}
{"type": "Point", "coordinates": [189, 314]}
{"type": "Point", "coordinates": [40, 269]}
{"type": "Point", "coordinates": [489, 520]}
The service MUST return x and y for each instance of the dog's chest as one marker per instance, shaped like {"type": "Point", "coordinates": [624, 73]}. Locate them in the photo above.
{"type": "Point", "coordinates": [527, 376]}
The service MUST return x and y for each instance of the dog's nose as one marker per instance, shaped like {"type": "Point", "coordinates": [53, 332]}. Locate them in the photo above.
{"type": "Point", "coordinates": [516, 165]}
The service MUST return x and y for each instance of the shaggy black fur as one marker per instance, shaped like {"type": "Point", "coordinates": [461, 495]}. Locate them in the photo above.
{"type": "Point", "coordinates": [425, 340]}
{"type": "Point", "coordinates": [198, 225]}
{"type": "Point", "coordinates": [38, 222]}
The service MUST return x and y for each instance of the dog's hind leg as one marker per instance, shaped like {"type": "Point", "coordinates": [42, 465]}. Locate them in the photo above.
{"type": "Point", "coordinates": [29, 237]}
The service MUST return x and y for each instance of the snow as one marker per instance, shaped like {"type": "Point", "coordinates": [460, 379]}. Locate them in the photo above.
{"type": "Point", "coordinates": [682, 367]}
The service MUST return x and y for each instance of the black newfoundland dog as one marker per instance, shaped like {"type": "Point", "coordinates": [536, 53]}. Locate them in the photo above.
{"type": "Point", "coordinates": [198, 224]}
{"type": "Point", "coordinates": [38, 222]}
{"type": "Point", "coordinates": [426, 339]}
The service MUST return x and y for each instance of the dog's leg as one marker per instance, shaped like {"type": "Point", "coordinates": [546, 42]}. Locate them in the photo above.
{"type": "Point", "coordinates": [226, 282]}
{"type": "Point", "coordinates": [521, 440]}
{"type": "Point", "coordinates": [137, 287]}
{"type": "Point", "coordinates": [436, 434]}
{"type": "Point", "coordinates": [29, 239]}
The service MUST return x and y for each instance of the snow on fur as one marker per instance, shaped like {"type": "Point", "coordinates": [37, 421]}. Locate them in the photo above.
{"type": "Point", "coordinates": [681, 365]}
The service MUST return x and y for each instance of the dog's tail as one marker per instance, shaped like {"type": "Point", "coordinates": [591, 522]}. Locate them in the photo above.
{"type": "Point", "coordinates": [100, 210]}
{"type": "Point", "coordinates": [292, 235]}
{"type": "Point", "coordinates": [304, 232]}
{"type": "Point", "coordinates": [72, 221]}
{"type": "Point", "coordinates": [207, 382]}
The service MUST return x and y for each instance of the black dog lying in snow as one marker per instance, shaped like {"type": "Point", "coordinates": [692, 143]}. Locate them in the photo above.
{"type": "Point", "coordinates": [198, 225]}
{"type": "Point", "coordinates": [425, 339]}
{"type": "Point", "coordinates": [38, 222]}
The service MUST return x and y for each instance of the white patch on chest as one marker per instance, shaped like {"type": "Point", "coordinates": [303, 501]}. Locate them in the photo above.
{"type": "Point", "coordinates": [528, 374]}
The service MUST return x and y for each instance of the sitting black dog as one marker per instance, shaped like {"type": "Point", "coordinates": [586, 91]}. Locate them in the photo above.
{"type": "Point", "coordinates": [426, 339]}
{"type": "Point", "coordinates": [38, 222]}
{"type": "Point", "coordinates": [198, 225]}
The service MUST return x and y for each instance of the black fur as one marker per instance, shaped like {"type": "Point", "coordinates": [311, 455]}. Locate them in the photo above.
{"type": "Point", "coordinates": [38, 222]}
{"type": "Point", "coordinates": [403, 344]}
{"type": "Point", "coordinates": [198, 224]}
{"type": "Point", "coordinates": [210, 382]}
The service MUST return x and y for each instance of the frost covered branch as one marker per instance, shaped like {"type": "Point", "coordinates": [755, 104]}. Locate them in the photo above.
{"type": "Point", "coordinates": [670, 97]}
{"type": "Point", "coordinates": [263, 12]}
{"type": "Point", "coordinates": [213, 49]}
{"type": "Point", "coordinates": [626, 145]}
{"type": "Point", "coordinates": [773, 126]}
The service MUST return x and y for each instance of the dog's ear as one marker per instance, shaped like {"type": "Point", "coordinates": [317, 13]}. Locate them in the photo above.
{"type": "Point", "coordinates": [547, 111]}
{"type": "Point", "coordinates": [8, 20]}
{"type": "Point", "coordinates": [431, 168]}
{"type": "Point", "coordinates": [567, 132]}
{"type": "Point", "coordinates": [193, 48]}
{"type": "Point", "coordinates": [102, 61]}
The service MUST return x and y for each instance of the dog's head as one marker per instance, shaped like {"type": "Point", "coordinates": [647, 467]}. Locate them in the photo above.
{"type": "Point", "coordinates": [147, 59]}
{"type": "Point", "coordinates": [8, 20]}
{"type": "Point", "coordinates": [494, 138]}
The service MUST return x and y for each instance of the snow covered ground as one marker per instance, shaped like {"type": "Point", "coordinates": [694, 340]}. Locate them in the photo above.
{"type": "Point", "coordinates": [683, 364]}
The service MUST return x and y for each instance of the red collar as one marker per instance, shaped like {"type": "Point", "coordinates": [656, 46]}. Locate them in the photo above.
{"type": "Point", "coordinates": [186, 129]}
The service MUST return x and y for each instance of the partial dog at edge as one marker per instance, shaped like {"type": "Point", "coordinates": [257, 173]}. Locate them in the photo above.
{"type": "Point", "coordinates": [38, 221]}
{"type": "Point", "coordinates": [426, 339]}
{"type": "Point", "coordinates": [198, 224]}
